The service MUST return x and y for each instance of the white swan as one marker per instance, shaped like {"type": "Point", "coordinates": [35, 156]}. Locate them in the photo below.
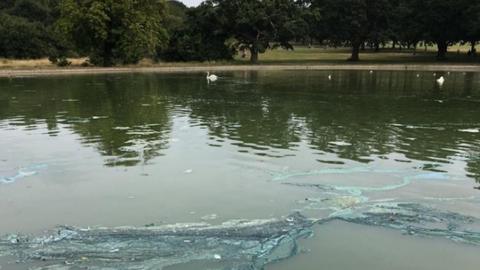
{"type": "Point", "coordinates": [329, 77]}
{"type": "Point", "coordinates": [212, 77]}
{"type": "Point", "coordinates": [441, 80]}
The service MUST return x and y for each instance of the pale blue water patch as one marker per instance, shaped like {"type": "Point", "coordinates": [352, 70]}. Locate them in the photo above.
{"type": "Point", "coordinates": [288, 175]}
{"type": "Point", "coordinates": [357, 190]}
{"type": "Point", "coordinates": [346, 201]}
{"type": "Point", "coordinates": [431, 176]}
{"type": "Point", "coordinates": [418, 220]}
{"type": "Point", "coordinates": [23, 173]}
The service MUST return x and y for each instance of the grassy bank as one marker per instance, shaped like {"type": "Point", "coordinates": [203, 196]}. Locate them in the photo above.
{"type": "Point", "coordinates": [300, 58]}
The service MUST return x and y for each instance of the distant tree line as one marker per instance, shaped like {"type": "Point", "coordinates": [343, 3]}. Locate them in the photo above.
{"type": "Point", "coordinates": [111, 32]}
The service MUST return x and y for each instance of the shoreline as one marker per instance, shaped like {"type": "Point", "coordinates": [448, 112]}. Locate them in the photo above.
{"type": "Point", "coordinates": [37, 72]}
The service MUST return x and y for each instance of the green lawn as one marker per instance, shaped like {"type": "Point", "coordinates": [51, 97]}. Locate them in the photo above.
{"type": "Point", "coordinates": [300, 56]}
{"type": "Point", "coordinates": [314, 55]}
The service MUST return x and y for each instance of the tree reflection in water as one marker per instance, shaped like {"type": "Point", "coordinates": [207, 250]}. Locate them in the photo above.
{"type": "Point", "coordinates": [357, 116]}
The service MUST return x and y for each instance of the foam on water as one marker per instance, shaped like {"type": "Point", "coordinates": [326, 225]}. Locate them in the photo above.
{"type": "Point", "coordinates": [22, 173]}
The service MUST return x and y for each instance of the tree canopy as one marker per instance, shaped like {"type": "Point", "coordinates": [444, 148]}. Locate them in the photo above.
{"type": "Point", "coordinates": [111, 32]}
{"type": "Point", "coordinates": [259, 25]}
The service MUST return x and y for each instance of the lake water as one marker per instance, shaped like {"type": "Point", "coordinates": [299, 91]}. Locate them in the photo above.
{"type": "Point", "coordinates": [366, 170]}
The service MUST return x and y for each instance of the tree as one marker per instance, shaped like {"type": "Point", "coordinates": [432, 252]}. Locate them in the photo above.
{"type": "Point", "coordinates": [406, 23]}
{"type": "Point", "coordinates": [32, 10]}
{"type": "Point", "coordinates": [25, 28]}
{"type": "Point", "coordinates": [258, 25]}
{"type": "Point", "coordinates": [379, 16]}
{"type": "Point", "coordinates": [113, 31]}
{"type": "Point", "coordinates": [472, 25]}
{"type": "Point", "coordinates": [352, 22]}
{"type": "Point", "coordinates": [175, 16]}
{"type": "Point", "coordinates": [198, 37]}
{"type": "Point", "coordinates": [20, 38]}
{"type": "Point", "coordinates": [443, 22]}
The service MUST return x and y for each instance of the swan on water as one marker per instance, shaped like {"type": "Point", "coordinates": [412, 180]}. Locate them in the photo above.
{"type": "Point", "coordinates": [211, 77]}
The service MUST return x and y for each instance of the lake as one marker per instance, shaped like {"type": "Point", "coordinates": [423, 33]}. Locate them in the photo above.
{"type": "Point", "coordinates": [283, 169]}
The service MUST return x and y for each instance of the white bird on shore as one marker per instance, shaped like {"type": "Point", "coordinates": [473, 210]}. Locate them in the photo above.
{"type": "Point", "coordinates": [211, 77]}
{"type": "Point", "coordinates": [329, 77]}
{"type": "Point", "coordinates": [441, 80]}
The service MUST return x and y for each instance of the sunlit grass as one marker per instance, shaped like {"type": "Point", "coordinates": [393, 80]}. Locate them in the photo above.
{"type": "Point", "coordinates": [34, 63]}
{"type": "Point", "coordinates": [302, 54]}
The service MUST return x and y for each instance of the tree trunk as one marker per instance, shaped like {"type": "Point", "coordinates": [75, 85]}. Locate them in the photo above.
{"type": "Point", "coordinates": [442, 50]}
{"type": "Point", "coordinates": [473, 50]}
{"type": "Point", "coordinates": [377, 47]}
{"type": "Point", "coordinates": [107, 60]}
{"type": "Point", "coordinates": [107, 56]}
{"type": "Point", "coordinates": [254, 53]}
{"type": "Point", "coordinates": [355, 52]}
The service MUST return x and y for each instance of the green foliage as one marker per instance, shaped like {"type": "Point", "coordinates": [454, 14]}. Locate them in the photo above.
{"type": "Point", "coordinates": [359, 22]}
{"type": "Point", "coordinates": [406, 26]}
{"type": "Point", "coordinates": [20, 38]}
{"type": "Point", "coordinates": [175, 16]}
{"type": "Point", "coordinates": [25, 28]}
{"type": "Point", "coordinates": [199, 37]}
{"type": "Point", "coordinates": [443, 22]}
{"type": "Point", "coordinates": [33, 10]}
{"type": "Point", "coordinates": [113, 31]}
{"type": "Point", "coordinates": [353, 22]}
{"type": "Point", "coordinates": [258, 25]}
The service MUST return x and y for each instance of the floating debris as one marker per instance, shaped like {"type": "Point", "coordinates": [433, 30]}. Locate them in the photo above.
{"type": "Point", "coordinates": [340, 143]}
{"type": "Point", "coordinates": [121, 128]}
{"type": "Point", "coordinates": [470, 130]}
{"type": "Point", "coordinates": [99, 117]}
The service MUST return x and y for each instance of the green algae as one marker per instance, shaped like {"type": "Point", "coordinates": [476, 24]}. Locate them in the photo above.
{"type": "Point", "coordinates": [237, 244]}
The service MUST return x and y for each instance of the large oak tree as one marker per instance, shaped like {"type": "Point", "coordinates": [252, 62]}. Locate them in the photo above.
{"type": "Point", "coordinates": [258, 25]}
{"type": "Point", "coordinates": [114, 31]}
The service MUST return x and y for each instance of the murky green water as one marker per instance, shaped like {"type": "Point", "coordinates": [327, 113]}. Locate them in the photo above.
{"type": "Point", "coordinates": [385, 149]}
